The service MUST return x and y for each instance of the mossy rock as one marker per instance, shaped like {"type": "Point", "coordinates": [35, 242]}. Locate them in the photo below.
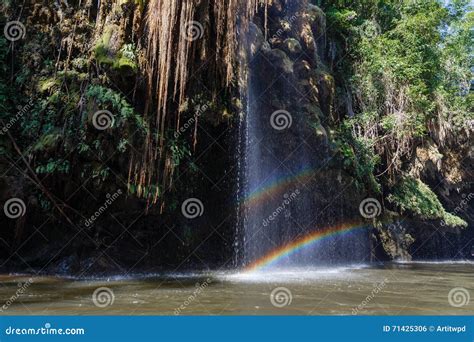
{"type": "Point", "coordinates": [285, 26]}
{"type": "Point", "coordinates": [47, 84]}
{"type": "Point", "coordinates": [303, 69]}
{"type": "Point", "coordinates": [292, 46]}
{"type": "Point", "coordinates": [47, 142]}
{"type": "Point", "coordinates": [255, 39]}
{"type": "Point", "coordinates": [414, 196]}
{"type": "Point", "coordinates": [316, 113]}
{"type": "Point", "coordinates": [125, 66]}
{"type": "Point", "coordinates": [103, 53]}
{"type": "Point", "coordinates": [325, 76]}
{"type": "Point", "coordinates": [109, 52]}
{"type": "Point", "coordinates": [279, 59]}
{"type": "Point", "coordinates": [122, 61]}
{"type": "Point", "coordinates": [315, 14]}
{"type": "Point", "coordinates": [321, 132]}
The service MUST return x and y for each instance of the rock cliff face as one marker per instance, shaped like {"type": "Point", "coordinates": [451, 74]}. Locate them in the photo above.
{"type": "Point", "coordinates": [289, 81]}
{"type": "Point", "coordinates": [78, 59]}
{"type": "Point", "coordinates": [290, 69]}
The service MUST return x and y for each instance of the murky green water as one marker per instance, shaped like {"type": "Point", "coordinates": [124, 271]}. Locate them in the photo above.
{"type": "Point", "coordinates": [397, 289]}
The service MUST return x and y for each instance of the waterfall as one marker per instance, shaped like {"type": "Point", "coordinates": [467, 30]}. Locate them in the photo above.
{"type": "Point", "coordinates": [276, 205]}
{"type": "Point", "coordinates": [284, 152]}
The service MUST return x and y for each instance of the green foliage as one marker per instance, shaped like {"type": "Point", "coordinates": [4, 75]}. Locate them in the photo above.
{"type": "Point", "coordinates": [179, 151]}
{"type": "Point", "coordinates": [107, 98]}
{"type": "Point", "coordinates": [397, 71]}
{"type": "Point", "coordinates": [101, 50]}
{"type": "Point", "coordinates": [124, 61]}
{"type": "Point", "coordinates": [54, 166]}
{"type": "Point", "coordinates": [341, 19]}
{"type": "Point", "coordinates": [454, 221]}
{"type": "Point", "coordinates": [406, 65]}
{"type": "Point", "coordinates": [145, 191]}
{"type": "Point", "coordinates": [47, 142]}
{"type": "Point", "coordinates": [454, 96]}
{"type": "Point", "coordinates": [358, 158]}
{"type": "Point", "coordinates": [416, 197]}
{"type": "Point", "coordinates": [403, 65]}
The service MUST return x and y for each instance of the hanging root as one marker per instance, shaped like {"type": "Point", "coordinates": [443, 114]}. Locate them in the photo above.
{"type": "Point", "coordinates": [175, 30]}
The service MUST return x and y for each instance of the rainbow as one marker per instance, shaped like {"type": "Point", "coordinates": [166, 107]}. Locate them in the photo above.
{"type": "Point", "coordinates": [282, 184]}
{"type": "Point", "coordinates": [305, 241]}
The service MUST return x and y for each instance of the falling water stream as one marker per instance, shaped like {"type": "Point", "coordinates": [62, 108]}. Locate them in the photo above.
{"type": "Point", "coordinates": [280, 163]}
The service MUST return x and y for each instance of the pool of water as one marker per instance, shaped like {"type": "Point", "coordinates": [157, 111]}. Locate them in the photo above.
{"type": "Point", "coordinates": [391, 289]}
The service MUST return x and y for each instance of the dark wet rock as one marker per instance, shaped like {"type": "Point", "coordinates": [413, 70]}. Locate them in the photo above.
{"type": "Point", "coordinates": [326, 86]}
{"type": "Point", "coordinates": [276, 8]}
{"type": "Point", "coordinates": [279, 60]}
{"type": "Point", "coordinates": [396, 241]}
{"type": "Point", "coordinates": [292, 47]}
{"type": "Point", "coordinates": [255, 39]}
{"type": "Point", "coordinates": [276, 42]}
{"type": "Point", "coordinates": [303, 69]}
{"type": "Point", "coordinates": [321, 134]}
